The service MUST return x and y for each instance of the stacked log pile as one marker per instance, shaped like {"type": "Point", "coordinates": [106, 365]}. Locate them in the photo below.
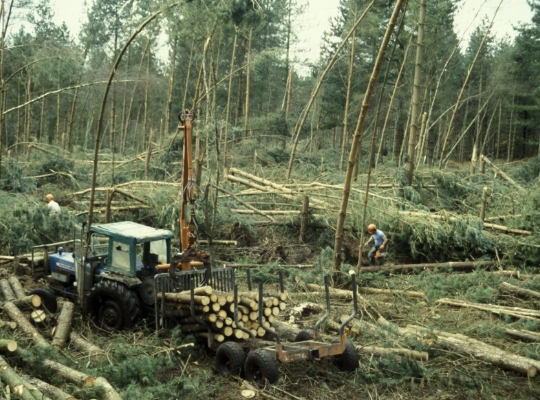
{"type": "Point", "coordinates": [216, 309]}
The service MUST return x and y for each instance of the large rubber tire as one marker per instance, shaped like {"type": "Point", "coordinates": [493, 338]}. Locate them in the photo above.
{"type": "Point", "coordinates": [112, 305]}
{"type": "Point", "coordinates": [48, 299]}
{"type": "Point", "coordinates": [304, 335]}
{"type": "Point", "coordinates": [230, 359]}
{"type": "Point", "coordinates": [348, 360]}
{"type": "Point", "coordinates": [260, 366]}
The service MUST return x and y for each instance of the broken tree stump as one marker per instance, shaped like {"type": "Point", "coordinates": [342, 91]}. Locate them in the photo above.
{"type": "Point", "coordinates": [25, 325]}
{"type": "Point", "coordinates": [17, 287]}
{"type": "Point", "coordinates": [63, 328]}
{"type": "Point", "coordinates": [517, 291]}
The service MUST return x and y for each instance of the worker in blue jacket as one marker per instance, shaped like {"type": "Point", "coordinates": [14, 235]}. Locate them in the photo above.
{"type": "Point", "coordinates": [379, 244]}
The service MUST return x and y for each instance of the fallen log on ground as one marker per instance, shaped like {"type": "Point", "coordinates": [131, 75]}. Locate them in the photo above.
{"type": "Point", "coordinates": [31, 301]}
{"type": "Point", "coordinates": [110, 392]}
{"type": "Point", "coordinates": [76, 377]}
{"type": "Point", "coordinates": [517, 291]}
{"type": "Point", "coordinates": [524, 335]}
{"type": "Point", "coordinates": [480, 350]}
{"type": "Point", "coordinates": [15, 382]}
{"type": "Point", "coordinates": [17, 287]}
{"type": "Point", "coordinates": [507, 229]}
{"type": "Point", "coordinates": [408, 267]}
{"type": "Point", "coordinates": [63, 328]}
{"type": "Point", "coordinates": [348, 294]}
{"type": "Point", "coordinates": [8, 345]}
{"type": "Point", "coordinates": [82, 344]}
{"type": "Point", "coordinates": [48, 389]}
{"type": "Point", "coordinates": [384, 352]}
{"type": "Point", "coordinates": [25, 325]}
{"type": "Point", "coordinates": [7, 291]}
{"type": "Point", "coordinates": [495, 309]}
{"type": "Point", "coordinates": [500, 173]}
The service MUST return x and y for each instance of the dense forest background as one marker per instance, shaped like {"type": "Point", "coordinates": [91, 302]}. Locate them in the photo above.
{"type": "Point", "coordinates": [235, 58]}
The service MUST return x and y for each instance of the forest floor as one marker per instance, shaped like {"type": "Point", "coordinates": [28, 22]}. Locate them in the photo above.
{"type": "Point", "coordinates": [145, 364]}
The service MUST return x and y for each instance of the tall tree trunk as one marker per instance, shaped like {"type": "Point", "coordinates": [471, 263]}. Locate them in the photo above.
{"type": "Point", "coordinates": [128, 116]}
{"type": "Point", "coordinates": [146, 101]}
{"type": "Point", "coordinates": [74, 102]}
{"type": "Point", "coordinates": [28, 108]}
{"type": "Point", "coordinates": [499, 132]}
{"type": "Point", "coordinates": [57, 135]}
{"type": "Point", "coordinates": [228, 107]}
{"type": "Point", "coordinates": [186, 85]}
{"type": "Point", "coordinates": [171, 86]}
{"type": "Point", "coordinates": [248, 76]}
{"type": "Point", "coordinates": [318, 86]}
{"type": "Point", "coordinates": [42, 117]}
{"type": "Point", "coordinates": [511, 131]}
{"type": "Point", "coordinates": [347, 101]}
{"type": "Point", "coordinates": [456, 107]}
{"type": "Point", "coordinates": [477, 132]}
{"type": "Point", "coordinates": [416, 92]}
{"type": "Point", "coordinates": [358, 135]}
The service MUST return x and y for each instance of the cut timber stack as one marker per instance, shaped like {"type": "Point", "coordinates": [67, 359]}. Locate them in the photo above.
{"type": "Point", "coordinates": [216, 309]}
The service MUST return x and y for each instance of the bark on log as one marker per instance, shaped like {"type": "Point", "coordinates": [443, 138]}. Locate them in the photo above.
{"type": "Point", "coordinates": [110, 392]}
{"type": "Point", "coordinates": [47, 389]}
{"type": "Point", "coordinates": [7, 292]}
{"type": "Point", "coordinates": [476, 348]}
{"type": "Point", "coordinates": [517, 291]}
{"type": "Point", "coordinates": [405, 267]}
{"type": "Point", "coordinates": [185, 298]}
{"type": "Point", "coordinates": [247, 302]}
{"type": "Point", "coordinates": [31, 301]}
{"type": "Point", "coordinates": [17, 287]}
{"type": "Point", "coordinates": [383, 352]}
{"type": "Point", "coordinates": [70, 374]}
{"type": "Point", "coordinates": [524, 335]}
{"type": "Point", "coordinates": [181, 306]}
{"type": "Point", "coordinates": [512, 311]}
{"type": "Point", "coordinates": [82, 344]}
{"type": "Point", "coordinates": [510, 274]}
{"type": "Point", "coordinates": [334, 293]}
{"type": "Point", "coordinates": [199, 291]}
{"type": "Point", "coordinates": [8, 345]}
{"type": "Point", "coordinates": [21, 321]}
{"type": "Point", "coordinates": [388, 291]}
{"type": "Point", "coordinates": [63, 328]}
{"type": "Point", "coordinates": [507, 229]}
{"type": "Point", "coordinates": [15, 382]}
{"type": "Point", "coordinates": [501, 174]}
{"type": "Point", "coordinates": [228, 296]}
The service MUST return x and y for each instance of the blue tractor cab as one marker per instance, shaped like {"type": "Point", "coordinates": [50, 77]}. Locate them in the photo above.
{"type": "Point", "coordinates": [114, 279]}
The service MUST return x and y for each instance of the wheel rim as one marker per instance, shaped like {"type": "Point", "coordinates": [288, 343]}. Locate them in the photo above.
{"type": "Point", "coordinates": [110, 317]}
{"type": "Point", "coordinates": [257, 375]}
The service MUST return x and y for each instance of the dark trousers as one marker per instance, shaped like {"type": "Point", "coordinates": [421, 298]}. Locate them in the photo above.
{"type": "Point", "coordinates": [372, 259]}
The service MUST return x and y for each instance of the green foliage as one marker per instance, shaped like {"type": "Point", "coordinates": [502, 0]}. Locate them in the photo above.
{"type": "Point", "coordinates": [13, 178]}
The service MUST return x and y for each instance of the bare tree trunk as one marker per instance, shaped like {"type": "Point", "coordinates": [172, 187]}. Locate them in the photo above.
{"type": "Point", "coordinates": [318, 86]}
{"type": "Point", "coordinates": [456, 107]}
{"type": "Point", "coordinates": [347, 101]}
{"type": "Point", "coordinates": [126, 125]}
{"type": "Point", "coordinates": [171, 86]}
{"type": "Point", "coordinates": [357, 137]}
{"type": "Point", "coordinates": [228, 107]}
{"type": "Point", "coordinates": [58, 111]}
{"type": "Point", "coordinates": [186, 86]}
{"type": "Point", "coordinates": [42, 117]}
{"type": "Point", "coordinates": [248, 76]}
{"type": "Point", "coordinates": [416, 92]}
{"type": "Point", "coordinates": [511, 131]}
{"type": "Point", "coordinates": [499, 132]}
{"type": "Point", "coordinates": [28, 107]}
{"type": "Point", "coordinates": [146, 95]}
{"type": "Point", "coordinates": [396, 85]}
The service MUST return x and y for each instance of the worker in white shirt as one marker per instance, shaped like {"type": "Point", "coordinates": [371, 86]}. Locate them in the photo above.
{"type": "Point", "coordinates": [53, 205]}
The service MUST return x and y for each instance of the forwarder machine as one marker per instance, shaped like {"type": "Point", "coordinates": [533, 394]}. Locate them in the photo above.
{"type": "Point", "coordinates": [112, 267]}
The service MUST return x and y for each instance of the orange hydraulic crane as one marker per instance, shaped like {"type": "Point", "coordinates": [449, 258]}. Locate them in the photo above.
{"type": "Point", "coordinates": [188, 257]}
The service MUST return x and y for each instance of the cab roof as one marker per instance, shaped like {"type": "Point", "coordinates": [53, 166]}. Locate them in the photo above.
{"type": "Point", "coordinates": [132, 230]}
